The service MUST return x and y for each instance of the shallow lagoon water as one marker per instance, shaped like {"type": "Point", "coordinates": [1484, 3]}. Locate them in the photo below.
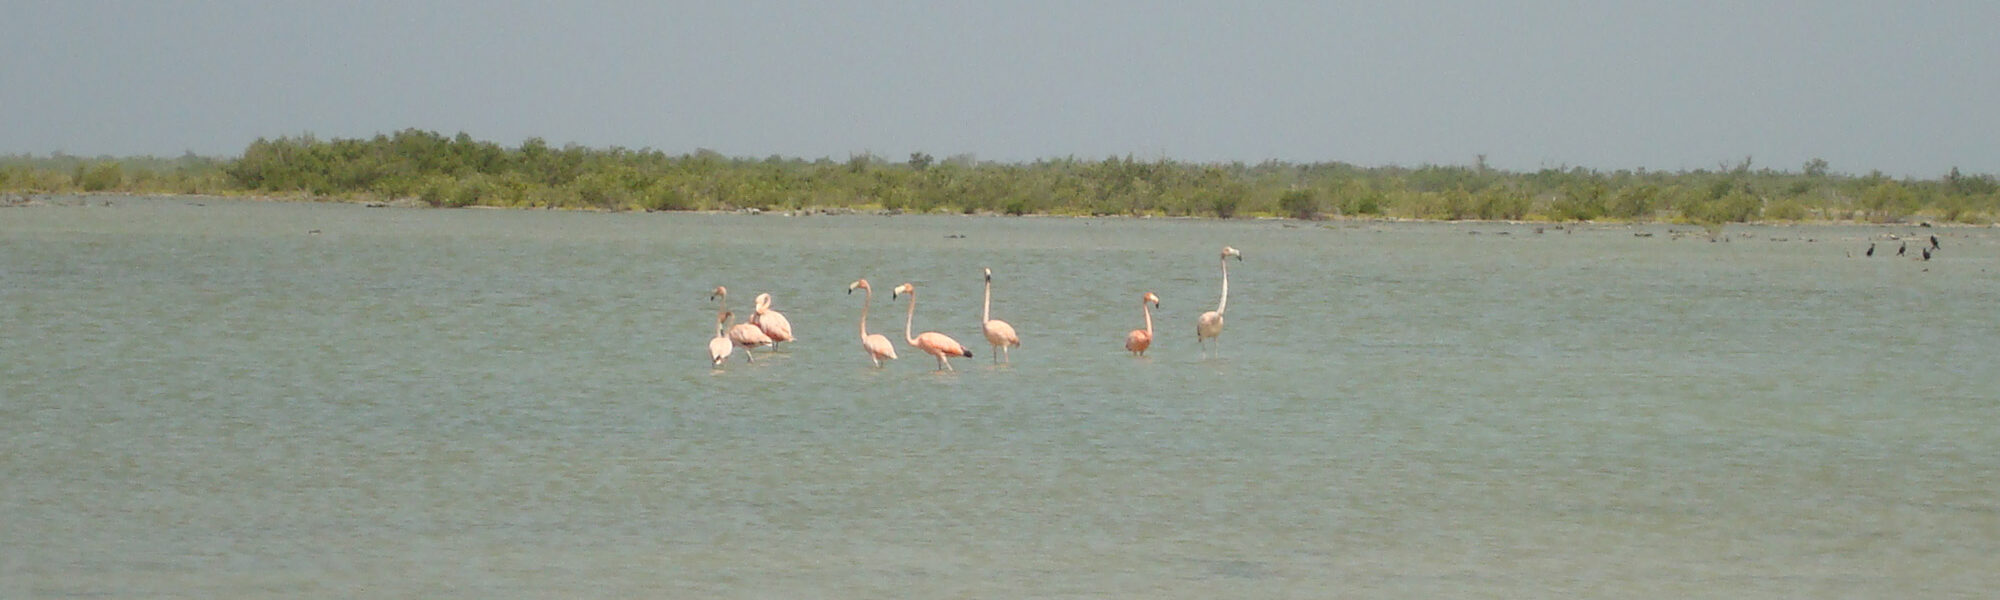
{"type": "Point", "coordinates": [202, 398]}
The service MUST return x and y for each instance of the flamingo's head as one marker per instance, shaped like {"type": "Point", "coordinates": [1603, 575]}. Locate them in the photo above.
{"type": "Point", "coordinates": [907, 288]}
{"type": "Point", "coordinates": [1151, 298]}
{"type": "Point", "coordinates": [1228, 252]}
{"type": "Point", "coordinates": [763, 302]}
{"type": "Point", "coordinates": [989, 274]}
{"type": "Point", "coordinates": [720, 292]}
{"type": "Point", "coordinates": [859, 284]}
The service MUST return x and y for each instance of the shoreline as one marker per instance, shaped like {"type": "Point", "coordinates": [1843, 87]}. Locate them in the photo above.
{"type": "Point", "coordinates": [42, 199]}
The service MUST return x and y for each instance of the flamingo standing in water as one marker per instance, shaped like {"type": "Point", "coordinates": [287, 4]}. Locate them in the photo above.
{"type": "Point", "coordinates": [877, 346]}
{"type": "Point", "coordinates": [773, 323]}
{"type": "Point", "coordinates": [1209, 326]}
{"type": "Point", "coordinates": [931, 342]}
{"type": "Point", "coordinates": [743, 335]}
{"type": "Point", "coordinates": [998, 332]}
{"type": "Point", "coordinates": [1139, 340]}
{"type": "Point", "coordinates": [718, 347]}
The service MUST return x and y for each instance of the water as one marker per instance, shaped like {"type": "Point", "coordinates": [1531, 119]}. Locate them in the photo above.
{"type": "Point", "coordinates": [204, 399]}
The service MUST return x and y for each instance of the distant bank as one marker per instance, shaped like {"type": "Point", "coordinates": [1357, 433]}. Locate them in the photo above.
{"type": "Point", "coordinates": [414, 167]}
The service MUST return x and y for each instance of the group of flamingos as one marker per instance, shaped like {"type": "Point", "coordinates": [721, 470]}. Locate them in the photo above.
{"type": "Point", "coordinates": [767, 327]}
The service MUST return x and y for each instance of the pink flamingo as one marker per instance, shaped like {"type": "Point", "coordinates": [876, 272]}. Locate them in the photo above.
{"type": "Point", "coordinates": [931, 342]}
{"type": "Point", "coordinates": [773, 323]}
{"type": "Point", "coordinates": [718, 347]}
{"type": "Point", "coordinates": [877, 346]}
{"type": "Point", "coordinates": [1139, 340]}
{"type": "Point", "coordinates": [1209, 326]}
{"type": "Point", "coordinates": [998, 332]}
{"type": "Point", "coordinates": [744, 335]}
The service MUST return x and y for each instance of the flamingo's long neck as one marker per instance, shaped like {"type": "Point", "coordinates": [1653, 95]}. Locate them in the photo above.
{"type": "Point", "coordinates": [718, 322]}
{"type": "Point", "coordinates": [1149, 316]}
{"type": "Point", "coordinates": [1224, 304]}
{"type": "Point", "coordinates": [864, 312]}
{"type": "Point", "coordinates": [909, 318]}
{"type": "Point", "coordinates": [986, 309]}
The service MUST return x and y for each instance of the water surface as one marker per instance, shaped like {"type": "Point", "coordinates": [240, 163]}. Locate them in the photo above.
{"type": "Point", "coordinates": [205, 398]}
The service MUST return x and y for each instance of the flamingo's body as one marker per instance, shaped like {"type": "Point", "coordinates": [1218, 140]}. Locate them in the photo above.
{"type": "Point", "coordinates": [1139, 340]}
{"type": "Point", "coordinates": [930, 342]}
{"type": "Point", "coordinates": [998, 333]}
{"type": "Point", "coordinates": [876, 345]}
{"type": "Point", "coordinates": [771, 322]}
{"type": "Point", "coordinates": [1209, 326]}
{"type": "Point", "coordinates": [743, 335]}
{"type": "Point", "coordinates": [718, 347]}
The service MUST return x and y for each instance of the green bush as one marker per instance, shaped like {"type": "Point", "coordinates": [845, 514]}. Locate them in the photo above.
{"type": "Point", "coordinates": [100, 177]}
{"type": "Point", "coordinates": [1634, 203]}
{"type": "Point", "coordinates": [1225, 205]}
{"type": "Point", "coordinates": [1579, 202]}
{"type": "Point", "coordinates": [1302, 204]}
{"type": "Point", "coordinates": [665, 195]}
{"type": "Point", "coordinates": [1787, 209]}
{"type": "Point", "coordinates": [1495, 203]}
{"type": "Point", "coordinates": [1888, 201]}
{"type": "Point", "coordinates": [1737, 207]}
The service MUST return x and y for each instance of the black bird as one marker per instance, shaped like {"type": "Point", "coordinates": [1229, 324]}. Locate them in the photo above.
{"type": "Point", "coordinates": [1934, 244]}
{"type": "Point", "coordinates": [1871, 249]}
{"type": "Point", "coordinates": [1927, 254]}
{"type": "Point", "coordinates": [1905, 247]}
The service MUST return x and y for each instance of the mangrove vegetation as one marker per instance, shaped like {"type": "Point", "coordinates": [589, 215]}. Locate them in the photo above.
{"type": "Point", "coordinates": [423, 167]}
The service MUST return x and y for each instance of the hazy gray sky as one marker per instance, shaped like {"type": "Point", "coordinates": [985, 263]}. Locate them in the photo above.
{"type": "Point", "coordinates": [1908, 88]}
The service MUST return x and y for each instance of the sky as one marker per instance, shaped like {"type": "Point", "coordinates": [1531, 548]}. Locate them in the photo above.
{"type": "Point", "coordinates": [1905, 88]}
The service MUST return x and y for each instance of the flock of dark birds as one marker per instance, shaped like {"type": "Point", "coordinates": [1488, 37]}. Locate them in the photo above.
{"type": "Point", "coordinates": [1903, 248]}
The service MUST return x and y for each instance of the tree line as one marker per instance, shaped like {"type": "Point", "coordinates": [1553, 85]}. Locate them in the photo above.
{"type": "Point", "coordinates": [458, 171]}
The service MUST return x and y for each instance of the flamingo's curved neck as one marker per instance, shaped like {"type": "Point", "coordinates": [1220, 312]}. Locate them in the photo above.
{"type": "Point", "coordinates": [910, 317]}
{"type": "Point", "coordinates": [865, 299]}
{"type": "Point", "coordinates": [1149, 316]}
{"type": "Point", "coordinates": [1224, 304]}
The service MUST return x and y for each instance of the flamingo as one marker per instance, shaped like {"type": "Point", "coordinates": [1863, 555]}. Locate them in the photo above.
{"type": "Point", "coordinates": [877, 346]}
{"type": "Point", "coordinates": [998, 332]}
{"type": "Point", "coordinates": [1139, 340]}
{"type": "Point", "coordinates": [1210, 324]}
{"type": "Point", "coordinates": [718, 347]}
{"type": "Point", "coordinates": [772, 322]}
{"type": "Point", "coordinates": [743, 335]}
{"type": "Point", "coordinates": [931, 342]}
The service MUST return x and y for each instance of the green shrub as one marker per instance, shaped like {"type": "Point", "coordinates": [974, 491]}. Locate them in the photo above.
{"type": "Point", "coordinates": [1635, 203]}
{"type": "Point", "coordinates": [1302, 204]}
{"type": "Point", "coordinates": [1787, 209]}
{"type": "Point", "coordinates": [663, 195]}
{"type": "Point", "coordinates": [1736, 207]}
{"type": "Point", "coordinates": [100, 177]}
{"type": "Point", "coordinates": [1495, 203]}
{"type": "Point", "coordinates": [1579, 202]}
{"type": "Point", "coordinates": [1888, 201]}
{"type": "Point", "coordinates": [1225, 205]}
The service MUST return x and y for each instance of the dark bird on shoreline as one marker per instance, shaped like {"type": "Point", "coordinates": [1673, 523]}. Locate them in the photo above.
{"type": "Point", "coordinates": [1927, 254]}
{"type": "Point", "coordinates": [1871, 250]}
{"type": "Point", "coordinates": [1901, 248]}
{"type": "Point", "coordinates": [1934, 243]}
